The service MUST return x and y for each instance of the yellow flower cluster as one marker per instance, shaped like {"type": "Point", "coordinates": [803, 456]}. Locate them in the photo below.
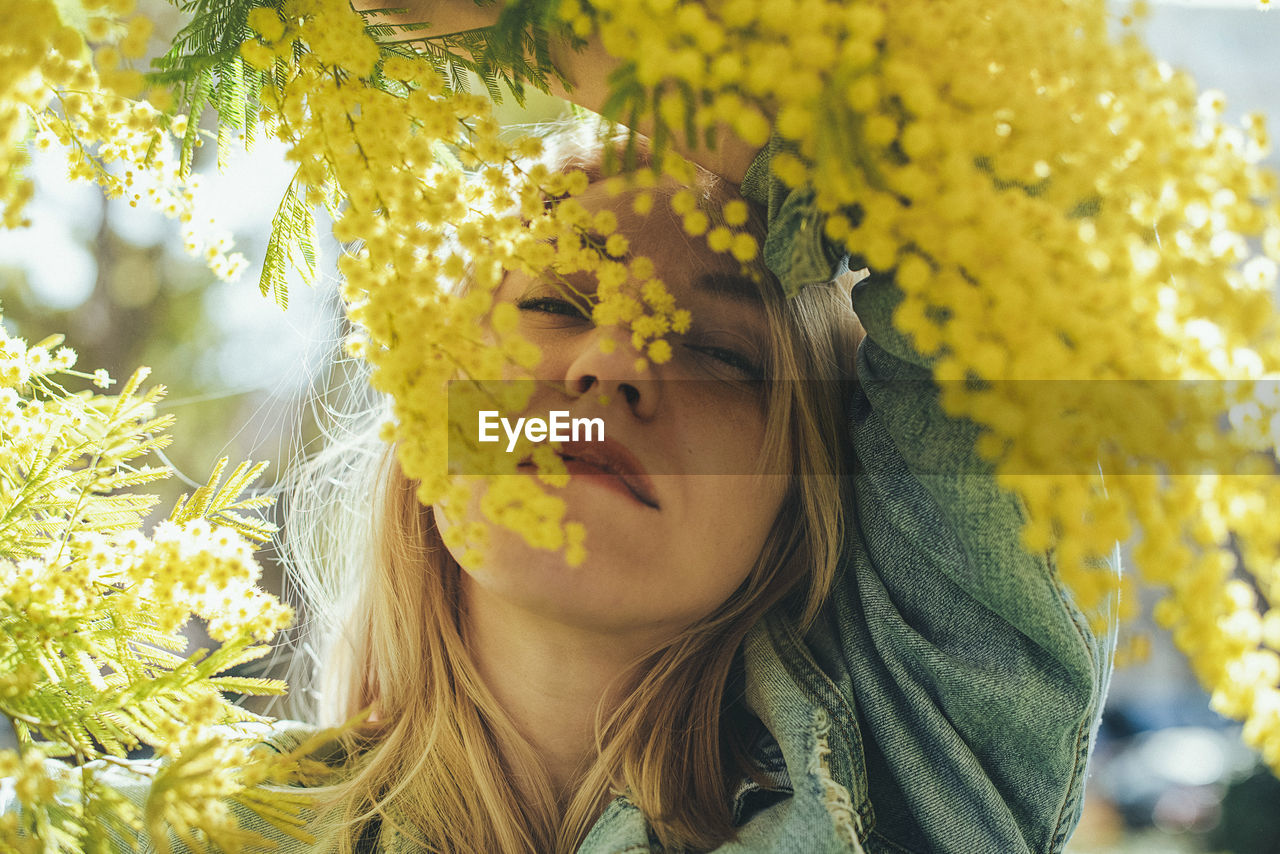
{"type": "Point", "coordinates": [442, 205]}
{"type": "Point", "coordinates": [198, 794]}
{"type": "Point", "coordinates": [1072, 228]}
{"type": "Point", "coordinates": [90, 608]}
{"type": "Point", "coordinates": [181, 571]}
{"type": "Point", "coordinates": [193, 795]}
{"type": "Point", "coordinates": [1066, 218]}
{"type": "Point", "coordinates": [64, 82]}
{"type": "Point", "coordinates": [32, 786]}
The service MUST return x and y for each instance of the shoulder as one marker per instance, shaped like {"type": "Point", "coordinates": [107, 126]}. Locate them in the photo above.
{"type": "Point", "coordinates": [282, 736]}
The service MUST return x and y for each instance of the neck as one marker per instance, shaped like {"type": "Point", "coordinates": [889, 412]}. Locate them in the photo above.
{"type": "Point", "coordinates": [550, 678]}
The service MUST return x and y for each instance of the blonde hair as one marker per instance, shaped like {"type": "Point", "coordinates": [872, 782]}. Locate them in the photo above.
{"type": "Point", "coordinates": [428, 764]}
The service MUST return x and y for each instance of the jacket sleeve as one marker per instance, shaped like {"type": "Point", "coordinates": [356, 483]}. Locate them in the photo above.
{"type": "Point", "coordinates": [113, 783]}
{"type": "Point", "coordinates": [978, 685]}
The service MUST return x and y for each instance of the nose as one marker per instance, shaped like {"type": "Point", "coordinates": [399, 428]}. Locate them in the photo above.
{"type": "Point", "coordinates": [614, 368]}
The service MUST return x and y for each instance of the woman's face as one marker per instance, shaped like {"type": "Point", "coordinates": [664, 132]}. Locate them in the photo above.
{"type": "Point", "coordinates": [674, 534]}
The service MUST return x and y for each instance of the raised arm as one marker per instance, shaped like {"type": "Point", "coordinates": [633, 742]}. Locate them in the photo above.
{"type": "Point", "coordinates": [587, 70]}
{"type": "Point", "coordinates": [978, 684]}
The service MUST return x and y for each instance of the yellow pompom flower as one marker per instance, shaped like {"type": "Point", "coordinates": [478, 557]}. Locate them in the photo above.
{"type": "Point", "coordinates": [1081, 219]}
{"type": "Point", "coordinates": [659, 351]}
{"type": "Point", "coordinates": [266, 22]}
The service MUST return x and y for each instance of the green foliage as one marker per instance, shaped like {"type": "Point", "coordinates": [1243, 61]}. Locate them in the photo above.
{"type": "Point", "coordinates": [204, 68]}
{"type": "Point", "coordinates": [222, 504]}
{"type": "Point", "coordinates": [512, 53]}
{"type": "Point", "coordinates": [292, 243]}
{"type": "Point", "coordinates": [92, 664]}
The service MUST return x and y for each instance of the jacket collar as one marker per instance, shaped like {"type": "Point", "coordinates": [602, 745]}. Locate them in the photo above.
{"type": "Point", "coordinates": [807, 712]}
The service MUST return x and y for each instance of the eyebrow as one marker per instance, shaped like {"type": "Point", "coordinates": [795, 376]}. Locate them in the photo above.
{"type": "Point", "coordinates": [730, 286]}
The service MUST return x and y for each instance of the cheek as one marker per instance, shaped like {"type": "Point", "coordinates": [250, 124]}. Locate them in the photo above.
{"type": "Point", "coordinates": [730, 520]}
{"type": "Point", "coordinates": [719, 430]}
{"type": "Point", "coordinates": [500, 561]}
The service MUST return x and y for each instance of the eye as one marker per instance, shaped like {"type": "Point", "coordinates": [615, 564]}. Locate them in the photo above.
{"type": "Point", "coordinates": [739, 363]}
{"type": "Point", "coordinates": [552, 305]}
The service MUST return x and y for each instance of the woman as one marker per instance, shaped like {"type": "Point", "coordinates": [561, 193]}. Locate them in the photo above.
{"type": "Point", "coordinates": [862, 657]}
{"type": "Point", "coordinates": [806, 623]}
{"type": "Point", "coordinates": [525, 656]}
{"type": "Point", "coordinates": [854, 655]}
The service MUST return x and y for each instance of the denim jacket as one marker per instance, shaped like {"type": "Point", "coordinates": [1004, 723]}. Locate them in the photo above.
{"type": "Point", "coordinates": [947, 698]}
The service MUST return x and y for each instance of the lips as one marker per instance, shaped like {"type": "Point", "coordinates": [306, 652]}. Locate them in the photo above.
{"type": "Point", "coordinates": [611, 460]}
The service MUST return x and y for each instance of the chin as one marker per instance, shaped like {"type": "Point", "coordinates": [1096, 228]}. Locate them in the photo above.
{"type": "Point", "coordinates": [600, 594]}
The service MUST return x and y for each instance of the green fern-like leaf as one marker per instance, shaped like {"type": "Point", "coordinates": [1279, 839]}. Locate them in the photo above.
{"type": "Point", "coordinates": [231, 99]}
{"type": "Point", "coordinates": [226, 504]}
{"type": "Point", "coordinates": [204, 67]}
{"type": "Point", "coordinates": [200, 89]}
{"type": "Point", "coordinates": [292, 243]}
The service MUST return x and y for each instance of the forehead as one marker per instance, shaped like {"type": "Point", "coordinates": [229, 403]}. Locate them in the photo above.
{"type": "Point", "coordinates": [659, 235]}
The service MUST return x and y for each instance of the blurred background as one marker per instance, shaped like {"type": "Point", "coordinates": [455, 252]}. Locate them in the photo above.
{"type": "Point", "coordinates": [1168, 775]}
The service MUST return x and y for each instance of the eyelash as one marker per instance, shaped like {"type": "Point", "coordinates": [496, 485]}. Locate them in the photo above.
{"type": "Point", "coordinates": [731, 358]}
{"type": "Point", "coordinates": [551, 305]}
